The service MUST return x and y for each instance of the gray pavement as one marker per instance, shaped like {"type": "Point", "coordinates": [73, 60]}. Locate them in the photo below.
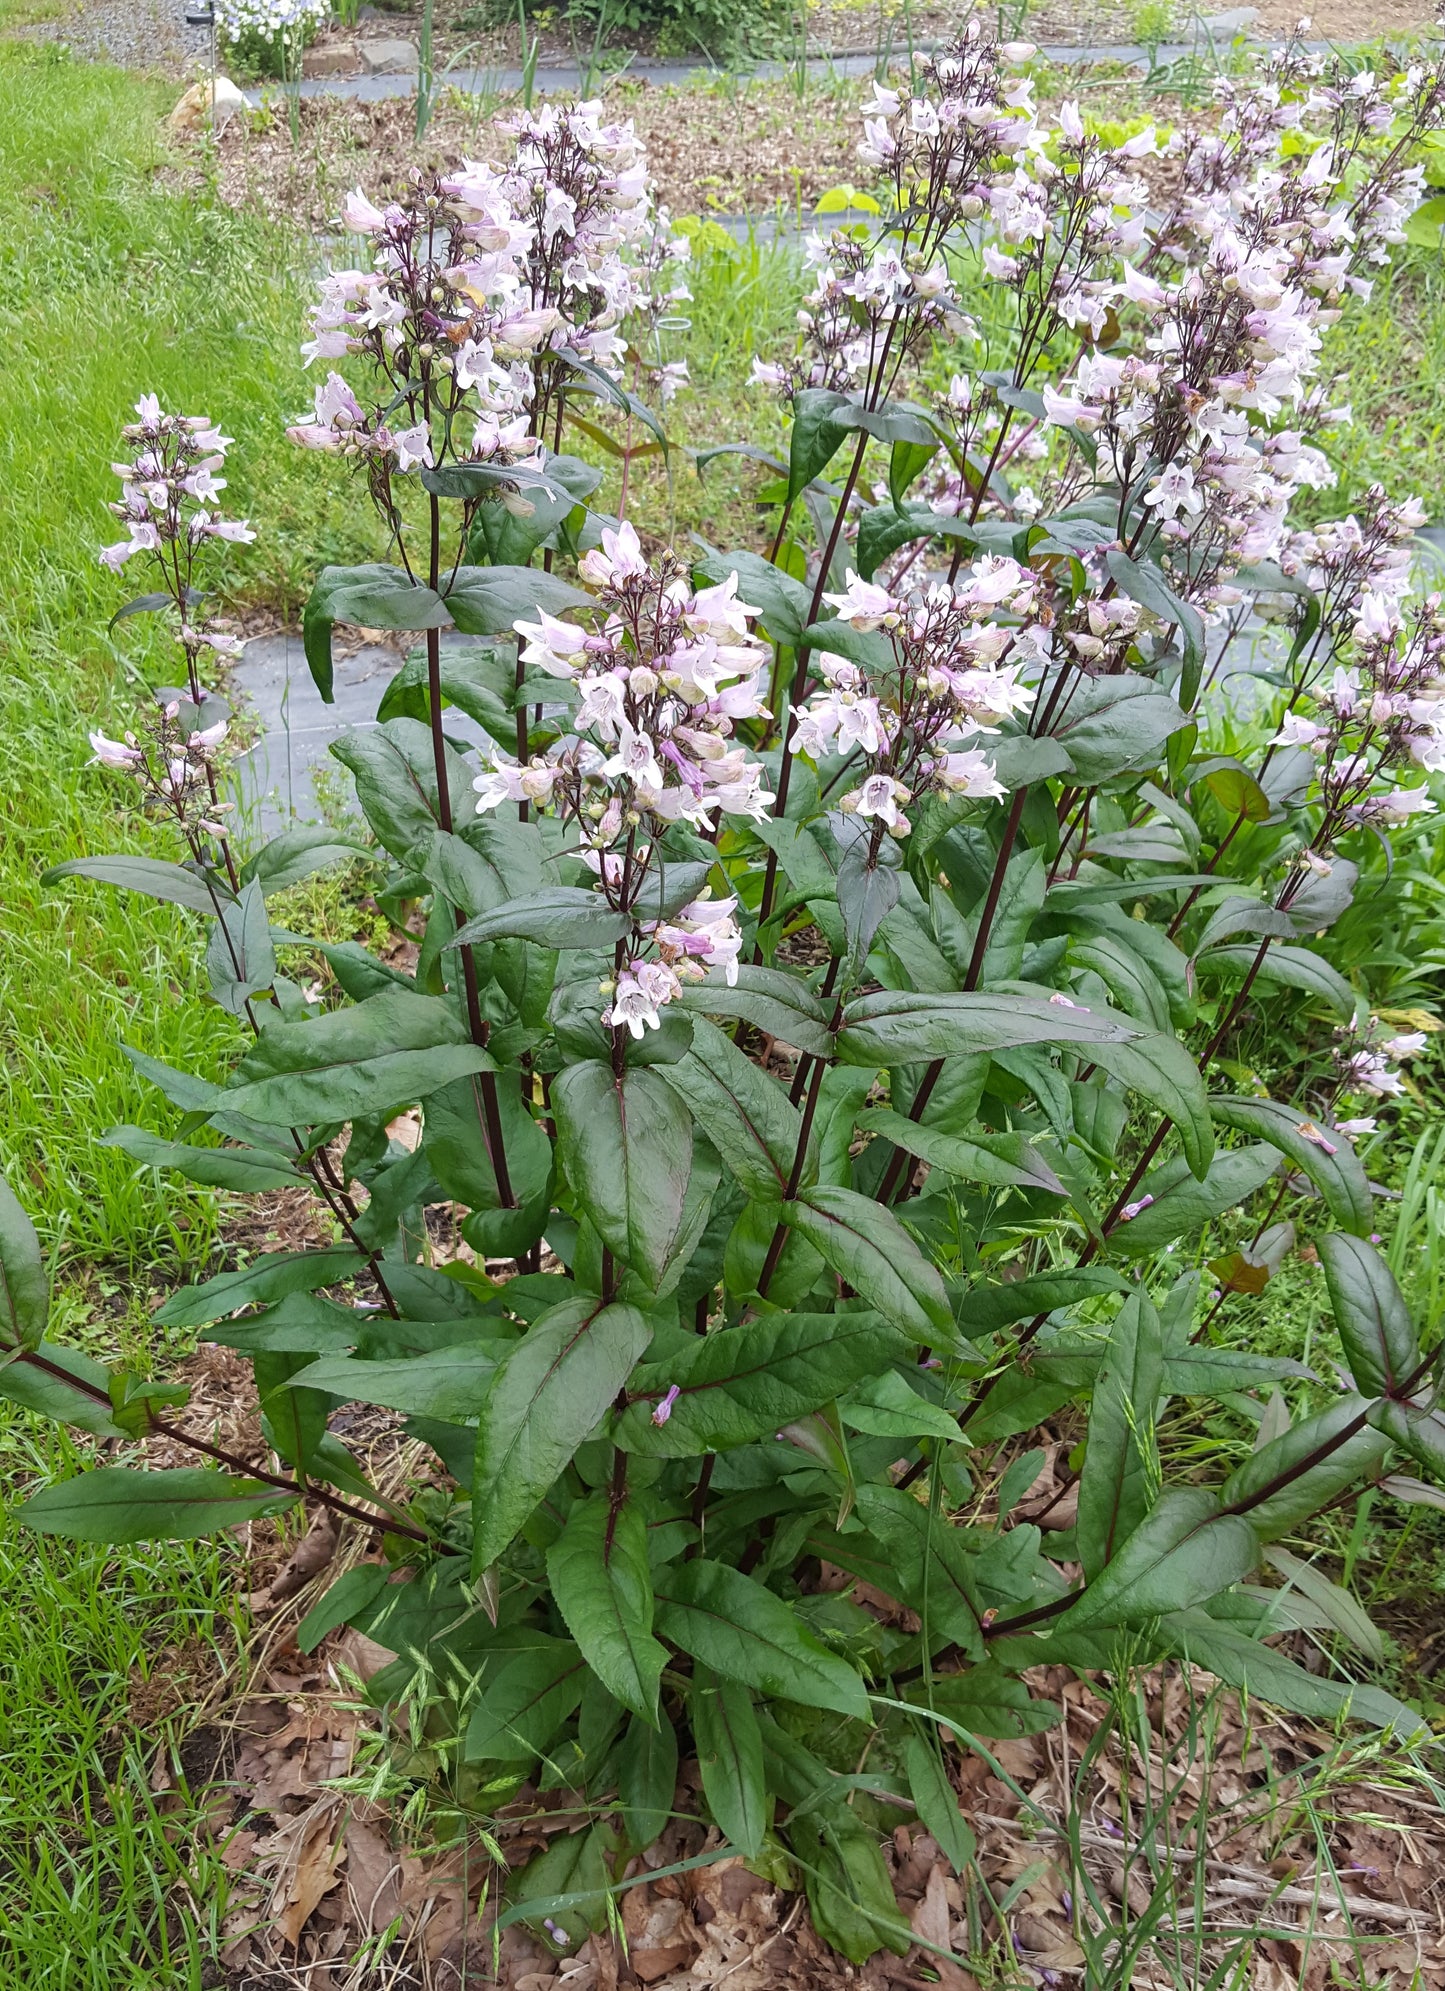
{"type": "Point", "coordinates": [276, 779]}
{"type": "Point", "coordinates": [1213, 39]}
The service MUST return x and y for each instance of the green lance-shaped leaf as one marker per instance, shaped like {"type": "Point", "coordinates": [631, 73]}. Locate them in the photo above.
{"type": "Point", "coordinates": [1020, 900]}
{"type": "Point", "coordinates": [1184, 1551]}
{"type": "Point", "coordinates": [1282, 967]}
{"type": "Point", "coordinates": [1379, 1337]}
{"type": "Point", "coordinates": [647, 1780]}
{"type": "Point", "coordinates": [153, 877]}
{"type": "Point", "coordinates": [449, 1383]}
{"type": "Point", "coordinates": [626, 1144]}
{"type": "Point", "coordinates": [374, 596]}
{"type": "Point", "coordinates": [246, 1169]}
{"type": "Point", "coordinates": [298, 853]}
{"type": "Point", "coordinates": [119, 1504]}
{"type": "Point", "coordinates": [270, 1277]}
{"type": "Point", "coordinates": [778, 1003]}
{"type": "Point", "coordinates": [1414, 1428]}
{"type": "Point", "coordinates": [567, 1886]}
{"type": "Point", "coordinates": [507, 529]}
{"type": "Point", "coordinates": [24, 1288]}
{"type": "Point", "coordinates": [240, 951]}
{"type": "Point", "coordinates": [867, 893]}
{"type": "Point", "coordinates": [1185, 1206]}
{"type": "Point", "coordinates": [744, 1632]}
{"type": "Point", "coordinates": [744, 1113]}
{"type": "Point", "coordinates": [602, 1584]}
{"type": "Point", "coordinates": [1271, 1676]}
{"type": "Point", "coordinates": [985, 1700]}
{"type": "Point", "coordinates": [368, 1058]}
{"type": "Point", "coordinates": [1317, 1459]}
{"type": "Point", "coordinates": [885, 1406]}
{"type": "Point", "coordinates": [1325, 1156]}
{"type": "Point", "coordinates": [745, 1384]}
{"type": "Point", "coordinates": [816, 436]}
{"type": "Point", "coordinates": [349, 1597]}
{"type": "Point", "coordinates": [1238, 793]}
{"type": "Point", "coordinates": [525, 1703]}
{"type": "Point", "coordinates": [866, 1245]}
{"type": "Point", "coordinates": [1116, 723]}
{"type": "Point", "coordinates": [79, 1394]}
{"type": "Point", "coordinates": [729, 1743]}
{"type": "Point", "coordinates": [928, 1563]}
{"type": "Point", "coordinates": [1161, 1069]}
{"type": "Point", "coordinates": [897, 1027]}
{"type": "Point", "coordinates": [1121, 1462]}
{"type": "Point", "coordinates": [561, 916]}
{"type": "Point", "coordinates": [1129, 978]}
{"type": "Point", "coordinates": [986, 1309]}
{"type": "Point", "coordinates": [549, 1394]}
{"type": "Point", "coordinates": [1005, 1160]}
{"type": "Point", "coordinates": [850, 1894]}
{"type": "Point", "coordinates": [1143, 582]}
{"type": "Point", "coordinates": [487, 601]}
{"type": "Point", "coordinates": [293, 1417]}
{"type": "Point", "coordinates": [394, 767]}
{"type": "Point", "coordinates": [936, 1803]}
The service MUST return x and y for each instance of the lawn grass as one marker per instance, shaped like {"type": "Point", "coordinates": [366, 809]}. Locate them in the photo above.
{"type": "Point", "coordinates": [110, 287]}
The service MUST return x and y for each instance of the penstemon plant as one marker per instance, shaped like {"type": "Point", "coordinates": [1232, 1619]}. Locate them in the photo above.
{"type": "Point", "coordinates": [823, 978]}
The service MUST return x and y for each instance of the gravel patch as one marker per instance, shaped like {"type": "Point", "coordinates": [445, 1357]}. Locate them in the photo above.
{"type": "Point", "coordinates": [147, 35]}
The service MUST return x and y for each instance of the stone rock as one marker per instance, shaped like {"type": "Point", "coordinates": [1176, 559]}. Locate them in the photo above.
{"type": "Point", "coordinates": [331, 58]}
{"type": "Point", "coordinates": [196, 108]}
{"type": "Point", "coordinates": [389, 58]}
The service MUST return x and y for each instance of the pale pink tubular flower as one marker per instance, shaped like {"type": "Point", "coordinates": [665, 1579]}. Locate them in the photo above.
{"type": "Point", "coordinates": [114, 753]}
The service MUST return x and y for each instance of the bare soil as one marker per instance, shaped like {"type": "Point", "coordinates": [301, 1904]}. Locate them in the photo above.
{"type": "Point", "coordinates": [751, 152]}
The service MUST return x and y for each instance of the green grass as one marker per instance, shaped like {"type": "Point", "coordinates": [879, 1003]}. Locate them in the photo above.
{"type": "Point", "coordinates": [111, 286]}
{"type": "Point", "coordinates": [95, 1893]}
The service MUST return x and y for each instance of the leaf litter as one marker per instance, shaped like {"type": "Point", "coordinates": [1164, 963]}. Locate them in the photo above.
{"type": "Point", "coordinates": [1257, 1843]}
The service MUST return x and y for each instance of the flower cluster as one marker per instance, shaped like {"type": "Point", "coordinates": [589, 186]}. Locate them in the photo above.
{"type": "Point", "coordinates": [173, 765]}
{"type": "Point", "coordinates": [265, 19]}
{"type": "Point", "coordinates": [872, 307]}
{"type": "Point", "coordinates": [702, 936]}
{"type": "Point", "coordinates": [441, 317]}
{"type": "Point", "coordinates": [657, 689]}
{"type": "Point", "coordinates": [1382, 709]}
{"type": "Point", "coordinates": [168, 489]}
{"type": "Point", "coordinates": [876, 304]}
{"type": "Point", "coordinates": [488, 287]}
{"type": "Point", "coordinates": [580, 185]}
{"type": "Point", "coordinates": [1363, 1060]}
{"type": "Point", "coordinates": [944, 682]}
{"type": "Point", "coordinates": [1205, 425]}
